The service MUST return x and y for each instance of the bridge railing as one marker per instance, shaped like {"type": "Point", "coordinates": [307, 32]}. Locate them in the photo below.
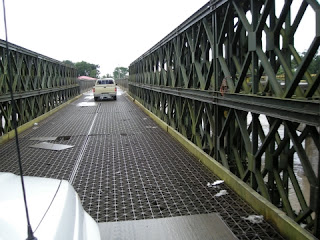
{"type": "Point", "coordinates": [231, 80]}
{"type": "Point", "coordinates": [39, 85]}
{"type": "Point", "coordinates": [85, 85]}
{"type": "Point", "coordinates": [123, 83]}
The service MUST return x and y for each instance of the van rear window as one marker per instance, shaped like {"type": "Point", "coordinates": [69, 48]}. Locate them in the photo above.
{"type": "Point", "coordinates": [105, 82]}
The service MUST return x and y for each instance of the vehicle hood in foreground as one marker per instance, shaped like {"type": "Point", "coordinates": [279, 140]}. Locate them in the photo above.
{"type": "Point", "coordinates": [54, 208]}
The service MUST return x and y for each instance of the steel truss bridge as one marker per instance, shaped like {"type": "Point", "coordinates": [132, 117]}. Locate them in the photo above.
{"type": "Point", "coordinates": [229, 79]}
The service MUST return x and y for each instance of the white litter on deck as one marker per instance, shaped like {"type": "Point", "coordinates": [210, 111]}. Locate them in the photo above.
{"type": "Point", "coordinates": [254, 218]}
{"type": "Point", "coordinates": [303, 225]}
{"type": "Point", "coordinates": [35, 124]}
{"type": "Point", "coordinates": [221, 193]}
{"type": "Point", "coordinates": [215, 183]}
{"type": "Point", "coordinates": [151, 127]}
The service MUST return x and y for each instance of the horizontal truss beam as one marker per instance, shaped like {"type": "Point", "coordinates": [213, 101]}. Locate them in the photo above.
{"type": "Point", "coordinates": [301, 111]}
{"type": "Point", "coordinates": [16, 96]}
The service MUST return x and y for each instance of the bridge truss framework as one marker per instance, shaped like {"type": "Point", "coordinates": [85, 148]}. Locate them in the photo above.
{"type": "Point", "coordinates": [216, 79]}
{"type": "Point", "coordinates": [39, 84]}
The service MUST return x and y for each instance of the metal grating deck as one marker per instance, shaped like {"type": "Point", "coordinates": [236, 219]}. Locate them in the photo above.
{"type": "Point", "coordinates": [124, 167]}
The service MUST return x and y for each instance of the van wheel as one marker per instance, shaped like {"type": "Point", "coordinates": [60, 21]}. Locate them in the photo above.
{"type": "Point", "coordinates": [115, 98]}
{"type": "Point", "coordinates": [95, 99]}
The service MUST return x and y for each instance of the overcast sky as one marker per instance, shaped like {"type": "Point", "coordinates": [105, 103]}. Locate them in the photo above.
{"type": "Point", "coordinates": [110, 33]}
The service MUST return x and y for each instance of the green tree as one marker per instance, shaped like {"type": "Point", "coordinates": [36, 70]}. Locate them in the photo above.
{"type": "Point", "coordinates": [69, 63]}
{"type": "Point", "coordinates": [120, 72]}
{"type": "Point", "coordinates": [107, 76]}
{"type": "Point", "coordinates": [313, 67]}
{"type": "Point", "coordinates": [87, 69]}
{"type": "Point", "coordinates": [315, 63]}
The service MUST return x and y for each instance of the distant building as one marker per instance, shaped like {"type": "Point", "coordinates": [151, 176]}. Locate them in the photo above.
{"type": "Point", "coordinates": [86, 78]}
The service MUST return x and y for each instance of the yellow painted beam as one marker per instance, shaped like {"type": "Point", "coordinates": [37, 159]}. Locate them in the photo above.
{"type": "Point", "coordinates": [285, 225]}
{"type": "Point", "coordinates": [6, 137]}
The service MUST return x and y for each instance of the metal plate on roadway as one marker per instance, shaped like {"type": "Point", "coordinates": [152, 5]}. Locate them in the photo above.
{"type": "Point", "coordinates": [201, 226]}
{"type": "Point", "coordinates": [51, 146]}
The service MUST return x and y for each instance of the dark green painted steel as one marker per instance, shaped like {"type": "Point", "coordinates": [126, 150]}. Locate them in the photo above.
{"type": "Point", "coordinates": [39, 85]}
{"type": "Point", "coordinates": [123, 83]}
{"type": "Point", "coordinates": [216, 80]}
{"type": "Point", "coordinates": [85, 85]}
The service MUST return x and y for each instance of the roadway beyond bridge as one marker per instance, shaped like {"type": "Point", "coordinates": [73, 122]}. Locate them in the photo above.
{"type": "Point", "coordinates": [125, 167]}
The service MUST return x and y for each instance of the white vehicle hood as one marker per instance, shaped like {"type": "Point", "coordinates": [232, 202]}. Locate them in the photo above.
{"type": "Point", "coordinates": [55, 210]}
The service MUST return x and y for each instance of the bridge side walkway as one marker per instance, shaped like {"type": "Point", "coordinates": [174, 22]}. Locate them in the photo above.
{"type": "Point", "coordinates": [125, 167]}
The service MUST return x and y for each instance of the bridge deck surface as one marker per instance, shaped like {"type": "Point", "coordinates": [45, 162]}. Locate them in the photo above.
{"type": "Point", "coordinates": [124, 167]}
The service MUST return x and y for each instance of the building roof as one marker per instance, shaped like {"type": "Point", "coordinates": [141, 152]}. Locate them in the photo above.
{"type": "Point", "coordinates": [86, 78]}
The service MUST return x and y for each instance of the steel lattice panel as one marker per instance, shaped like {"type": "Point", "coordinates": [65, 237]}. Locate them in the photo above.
{"type": "Point", "coordinates": [231, 80]}
{"type": "Point", "coordinates": [39, 84]}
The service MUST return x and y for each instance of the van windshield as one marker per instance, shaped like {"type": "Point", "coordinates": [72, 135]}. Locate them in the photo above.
{"type": "Point", "coordinates": [105, 82]}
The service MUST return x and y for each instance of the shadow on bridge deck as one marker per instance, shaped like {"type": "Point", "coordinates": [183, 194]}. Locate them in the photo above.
{"type": "Point", "coordinates": [125, 167]}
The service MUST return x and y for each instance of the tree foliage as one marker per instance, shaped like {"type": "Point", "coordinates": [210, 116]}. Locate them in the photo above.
{"type": "Point", "coordinates": [120, 72]}
{"type": "Point", "coordinates": [84, 68]}
{"type": "Point", "coordinates": [87, 69]}
{"type": "Point", "coordinates": [107, 76]}
{"type": "Point", "coordinates": [313, 68]}
{"type": "Point", "coordinates": [314, 65]}
{"type": "Point", "coordinates": [68, 63]}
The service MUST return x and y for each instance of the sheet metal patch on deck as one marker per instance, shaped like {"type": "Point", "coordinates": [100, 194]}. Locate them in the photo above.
{"type": "Point", "coordinates": [51, 146]}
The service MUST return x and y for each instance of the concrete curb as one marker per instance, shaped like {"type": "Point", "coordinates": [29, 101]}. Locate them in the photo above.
{"type": "Point", "coordinates": [6, 137]}
{"type": "Point", "coordinates": [285, 225]}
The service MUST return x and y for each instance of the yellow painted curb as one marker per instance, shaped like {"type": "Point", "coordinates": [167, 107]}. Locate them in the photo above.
{"type": "Point", "coordinates": [285, 225]}
{"type": "Point", "coordinates": [6, 137]}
